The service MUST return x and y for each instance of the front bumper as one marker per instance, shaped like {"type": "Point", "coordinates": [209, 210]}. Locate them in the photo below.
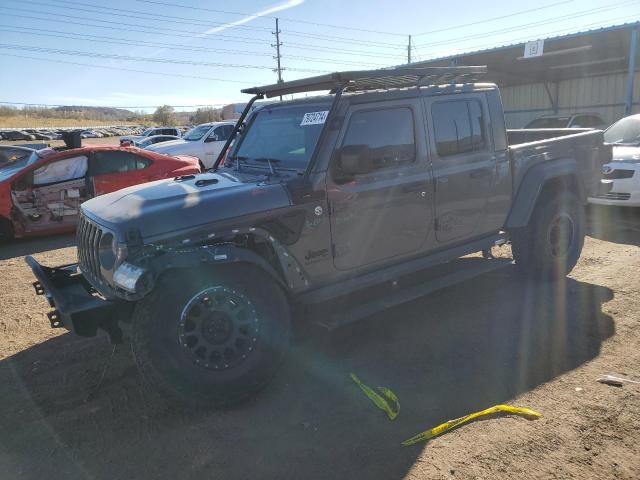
{"type": "Point", "coordinates": [77, 306]}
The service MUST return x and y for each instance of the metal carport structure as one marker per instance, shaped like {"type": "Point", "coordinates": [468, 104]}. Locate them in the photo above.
{"type": "Point", "coordinates": [591, 71]}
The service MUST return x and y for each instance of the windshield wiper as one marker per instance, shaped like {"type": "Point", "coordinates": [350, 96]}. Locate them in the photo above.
{"type": "Point", "coordinates": [270, 161]}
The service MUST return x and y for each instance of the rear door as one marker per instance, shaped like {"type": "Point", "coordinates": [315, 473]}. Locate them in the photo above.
{"type": "Point", "coordinates": [111, 170]}
{"type": "Point", "coordinates": [385, 212]}
{"type": "Point", "coordinates": [464, 165]}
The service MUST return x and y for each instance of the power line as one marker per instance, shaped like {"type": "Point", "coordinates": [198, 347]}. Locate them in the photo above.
{"type": "Point", "coordinates": [521, 12]}
{"type": "Point", "coordinates": [531, 24]}
{"type": "Point", "coordinates": [199, 35]}
{"type": "Point", "coordinates": [144, 59]}
{"type": "Point", "coordinates": [342, 27]}
{"type": "Point", "coordinates": [301, 34]}
{"type": "Point", "coordinates": [173, 46]}
{"type": "Point", "coordinates": [206, 23]}
{"type": "Point", "coordinates": [52, 60]}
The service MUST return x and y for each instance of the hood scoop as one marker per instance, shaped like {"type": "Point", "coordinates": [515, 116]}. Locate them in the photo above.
{"type": "Point", "coordinates": [206, 181]}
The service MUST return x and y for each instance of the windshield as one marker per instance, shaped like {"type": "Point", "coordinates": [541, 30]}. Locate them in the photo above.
{"type": "Point", "coordinates": [549, 122]}
{"type": "Point", "coordinates": [9, 166]}
{"type": "Point", "coordinates": [624, 132]}
{"type": "Point", "coordinates": [287, 135]}
{"type": "Point", "coordinates": [196, 133]}
{"type": "Point", "coordinates": [147, 132]}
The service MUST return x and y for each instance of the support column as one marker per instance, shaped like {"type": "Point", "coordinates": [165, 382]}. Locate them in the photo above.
{"type": "Point", "coordinates": [633, 47]}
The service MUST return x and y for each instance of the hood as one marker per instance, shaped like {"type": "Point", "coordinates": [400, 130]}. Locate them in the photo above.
{"type": "Point", "coordinates": [166, 206]}
{"type": "Point", "coordinates": [171, 146]}
{"type": "Point", "coordinates": [626, 154]}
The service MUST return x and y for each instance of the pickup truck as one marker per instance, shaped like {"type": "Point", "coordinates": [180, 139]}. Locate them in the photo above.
{"type": "Point", "coordinates": [393, 172]}
{"type": "Point", "coordinates": [204, 142]}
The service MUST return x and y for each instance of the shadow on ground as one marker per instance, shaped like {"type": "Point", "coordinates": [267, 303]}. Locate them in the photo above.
{"type": "Point", "coordinates": [20, 248]}
{"type": "Point", "coordinates": [614, 224]}
{"type": "Point", "coordinates": [459, 350]}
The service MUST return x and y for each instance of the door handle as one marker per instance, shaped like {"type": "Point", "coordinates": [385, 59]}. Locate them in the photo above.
{"type": "Point", "coordinates": [443, 180]}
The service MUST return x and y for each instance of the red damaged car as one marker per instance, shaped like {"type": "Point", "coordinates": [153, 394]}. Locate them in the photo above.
{"type": "Point", "coordinates": [41, 193]}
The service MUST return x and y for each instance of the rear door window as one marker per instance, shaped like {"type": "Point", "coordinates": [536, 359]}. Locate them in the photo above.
{"type": "Point", "coordinates": [116, 161]}
{"type": "Point", "coordinates": [458, 126]}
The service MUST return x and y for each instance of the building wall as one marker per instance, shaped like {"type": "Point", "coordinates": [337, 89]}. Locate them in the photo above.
{"type": "Point", "coordinates": [603, 94]}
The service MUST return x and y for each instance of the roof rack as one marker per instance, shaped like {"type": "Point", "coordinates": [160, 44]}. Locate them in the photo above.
{"type": "Point", "coordinates": [362, 80]}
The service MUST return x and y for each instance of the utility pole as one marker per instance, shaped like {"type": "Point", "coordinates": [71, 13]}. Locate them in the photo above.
{"type": "Point", "coordinates": [277, 46]}
{"type": "Point", "coordinates": [409, 50]}
{"type": "Point", "coordinates": [278, 57]}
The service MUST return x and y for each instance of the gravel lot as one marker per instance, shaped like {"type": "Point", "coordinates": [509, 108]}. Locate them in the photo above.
{"type": "Point", "coordinates": [495, 339]}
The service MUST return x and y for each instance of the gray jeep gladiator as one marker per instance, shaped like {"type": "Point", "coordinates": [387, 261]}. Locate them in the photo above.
{"type": "Point", "coordinates": [311, 201]}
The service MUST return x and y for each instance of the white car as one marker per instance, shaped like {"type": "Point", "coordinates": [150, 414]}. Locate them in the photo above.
{"type": "Point", "coordinates": [149, 132]}
{"type": "Point", "coordinates": [620, 184]}
{"type": "Point", "coordinates": [204, 141]}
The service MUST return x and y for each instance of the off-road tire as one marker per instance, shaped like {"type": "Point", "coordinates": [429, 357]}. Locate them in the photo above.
{"type": "Point", "coordinates": [170, 370]}
{"type": "Point", "coordinates": [550, 245]}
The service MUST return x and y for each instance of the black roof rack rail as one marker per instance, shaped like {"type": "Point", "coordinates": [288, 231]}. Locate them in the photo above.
{"type": "Point", "coordinates": [361, 80]}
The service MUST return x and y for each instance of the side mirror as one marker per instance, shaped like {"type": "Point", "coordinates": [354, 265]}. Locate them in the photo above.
{"type": "Point", "coordinates": [352, 160]}
{"type": "Point", "coordinates": [212, 138]}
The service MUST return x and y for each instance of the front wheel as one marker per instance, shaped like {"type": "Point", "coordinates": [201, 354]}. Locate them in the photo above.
{"type": "Point", "coordinates": [211, 339]}
{"type": "Point", "coordinates": [550, 245]}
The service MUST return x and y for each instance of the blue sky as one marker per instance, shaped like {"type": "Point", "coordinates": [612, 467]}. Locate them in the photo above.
{"type": "Point", "coordinates": [81, 50]}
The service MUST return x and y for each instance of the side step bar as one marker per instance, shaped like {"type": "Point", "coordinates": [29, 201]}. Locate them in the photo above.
{"type": "Point", "coordinates": [457, 272]}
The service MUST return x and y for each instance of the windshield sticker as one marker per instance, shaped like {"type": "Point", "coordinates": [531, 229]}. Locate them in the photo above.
{"type": "Point", "coordinates": [314, 118]}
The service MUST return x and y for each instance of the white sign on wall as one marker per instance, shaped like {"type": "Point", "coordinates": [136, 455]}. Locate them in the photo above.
{"type": "Point", "coordinates": [533, 49]}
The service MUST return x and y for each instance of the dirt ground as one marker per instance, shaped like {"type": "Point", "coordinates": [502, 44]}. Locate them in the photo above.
{"type": "Point", "coordinates": [73, 408]}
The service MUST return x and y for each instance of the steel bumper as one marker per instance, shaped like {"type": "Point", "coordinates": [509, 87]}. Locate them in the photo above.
{"type": "Point", "coordinates": [77, 306]}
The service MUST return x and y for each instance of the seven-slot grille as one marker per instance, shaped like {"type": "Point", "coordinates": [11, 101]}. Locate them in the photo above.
{"type": "Point", "coordinates": [88, 238]}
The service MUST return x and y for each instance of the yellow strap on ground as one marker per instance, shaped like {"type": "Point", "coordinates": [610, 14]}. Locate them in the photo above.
{"type": "Point", "coordinates": [446, 426]}
{"type": "Point", "coordinates": [387, 401]}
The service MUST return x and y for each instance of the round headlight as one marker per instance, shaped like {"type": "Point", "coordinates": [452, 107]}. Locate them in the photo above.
{"type": "Point", "coordinates": [107, 251]}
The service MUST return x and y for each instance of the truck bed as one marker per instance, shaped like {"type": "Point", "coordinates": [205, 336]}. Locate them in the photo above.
{"type": "Point", "coordinates": [528, 148]}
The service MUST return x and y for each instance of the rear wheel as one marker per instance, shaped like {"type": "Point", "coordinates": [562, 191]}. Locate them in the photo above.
{"type": "Point", "coordinates": [211, 339]}
{"type": "Point", "coordinates": [550, 245]}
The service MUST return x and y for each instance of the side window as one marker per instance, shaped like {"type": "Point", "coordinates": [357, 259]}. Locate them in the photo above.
{"type": "Point", "coordinates": [61, 171]}
{"type": "Point", "coordinates": [587, 121]}
{"type": "Point", "coordinates": [116, 161]}
{"type": "Point", "coordinates": [458, 127]}
{"type": "Point", "coordinates": [223, 132]}
{"type": "Point", "coordinates": [388, 134]}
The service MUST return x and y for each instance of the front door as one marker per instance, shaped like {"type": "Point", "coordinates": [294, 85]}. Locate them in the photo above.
{"type": "Point", "coordinates": [214, 143]}
{"type": "Point", "coordinates": [49, 197]}
{"type": "Point", "coordinates": [464, 165]}
{"type": "Point", "coordinates": [384, 212]}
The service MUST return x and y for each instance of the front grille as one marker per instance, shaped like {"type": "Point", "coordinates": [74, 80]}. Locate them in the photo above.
{"type": "Point", "coordinates": [618, 174]}
{"type": "Point", "coordinates": [615, 196]}
{"type": "Point", "coordinates": [88, 238]}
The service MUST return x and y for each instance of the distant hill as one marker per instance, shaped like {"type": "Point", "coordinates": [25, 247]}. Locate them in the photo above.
{"type": "Point", "coordinates": [106, 113]}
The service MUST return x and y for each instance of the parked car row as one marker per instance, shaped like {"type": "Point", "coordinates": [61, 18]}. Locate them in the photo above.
{"type": "Point", "coordinates": [97, 132]}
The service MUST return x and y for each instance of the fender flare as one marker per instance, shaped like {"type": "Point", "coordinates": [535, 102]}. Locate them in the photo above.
{"type": "Point", "coordinates": [214, 255]}
{"type": "Point", "coordinates": [532, 185]}
{"type": "Point", "coordinates": [291, 276]}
